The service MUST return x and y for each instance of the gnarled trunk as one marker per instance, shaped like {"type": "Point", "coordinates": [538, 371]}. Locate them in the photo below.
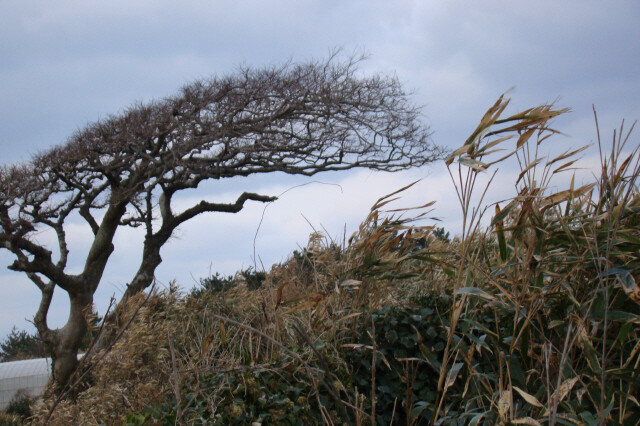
{"type": "Point", "coordinates": [144, 276]}
{"type": "Point", "coordinates": [65, 342]}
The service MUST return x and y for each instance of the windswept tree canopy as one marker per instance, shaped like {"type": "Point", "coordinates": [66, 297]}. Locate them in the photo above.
{"type": "Point", "coordinates": [297, 119]}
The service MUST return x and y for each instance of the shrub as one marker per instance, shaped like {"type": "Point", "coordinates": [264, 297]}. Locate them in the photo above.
{"type": "Point", "coordinates": [20, 405]}
{"type": "Point", "coordinates": [409, 342]}
{"type": "Point", "coordinates": [270, 397]}
{"type": "Point", "coordinates": [217, 282]}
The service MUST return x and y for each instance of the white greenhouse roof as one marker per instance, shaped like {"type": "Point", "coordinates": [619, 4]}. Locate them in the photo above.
{"type": "Point", "coordinates": [29, 377]}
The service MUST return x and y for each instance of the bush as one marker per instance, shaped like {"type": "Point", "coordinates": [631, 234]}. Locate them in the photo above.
{"type": "Point", "coordinates": [409, 342]}
{"type": "Point", "coordinates": [218, 283]}
{"type": "Point", "coordinates": [19, 406]}
{"type": "Point", "coordinates": [269, 397]}
{"type": "Point", "coordinates": [533, 320]}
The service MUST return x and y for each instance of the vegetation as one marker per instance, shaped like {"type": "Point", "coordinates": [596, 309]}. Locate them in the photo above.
{"type": "Point", "coordinates": [217, 283]}
{"type": "Point", "coordinates": [19, 406]}
{"type": "Point", "coordinates": [530, 316]}
{"type": "Point", "coordinates": [126, 171]}
{"type": "Point", "coordinates": [10, 419]}
{"type": "Point", "coordinates": [20, 345]}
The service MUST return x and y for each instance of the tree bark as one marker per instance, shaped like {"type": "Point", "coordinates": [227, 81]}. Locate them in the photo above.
{"type": "Point", "coordinates": [151, 259]}
{"type": "Point", "coordinates": [65, 342]}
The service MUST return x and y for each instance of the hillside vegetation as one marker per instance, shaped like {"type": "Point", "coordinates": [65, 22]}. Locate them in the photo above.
{"type": "Point", "coordinates": [530, 316]}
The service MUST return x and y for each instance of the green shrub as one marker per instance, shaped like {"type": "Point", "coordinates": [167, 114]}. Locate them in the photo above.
{"type": "Point", "coordinates": [410, 342]}
{"type": "Point", "coordinates": [217, 282]}
{"type": "Point", "coordinates": [214, 284]}
{"type": "Point", "coordinates": [270, 397]}
{"type": "Point", "coordinates": [19, 406]}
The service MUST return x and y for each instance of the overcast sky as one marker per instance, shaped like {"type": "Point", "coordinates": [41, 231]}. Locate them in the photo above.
{"type": "Point", "coordinates": [64, 64]}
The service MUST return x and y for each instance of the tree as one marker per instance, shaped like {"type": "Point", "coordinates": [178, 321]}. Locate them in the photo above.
{"type": "Point", "coordinates": [20, 345]}
{"type": "Point", "coordinates": [125, 170]}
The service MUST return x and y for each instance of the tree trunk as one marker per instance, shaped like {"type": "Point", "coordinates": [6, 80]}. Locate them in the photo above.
{"type": "Point", "coordinates": [67, 340]}
{"type": "Point", "coordinates": [144, 276]}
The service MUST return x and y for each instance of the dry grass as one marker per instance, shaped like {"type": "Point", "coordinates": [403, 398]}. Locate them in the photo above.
{"type": "Point", "coordinates": [542, 325]}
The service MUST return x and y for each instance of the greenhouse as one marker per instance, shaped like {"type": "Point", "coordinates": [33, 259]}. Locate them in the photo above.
{"type": "Point", "coordinates": [28, 377]}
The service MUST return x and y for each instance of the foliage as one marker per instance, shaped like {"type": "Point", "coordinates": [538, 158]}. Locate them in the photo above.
{"type": "Point", "coordinates": [531, 316]}
{"type": "Point", "coordinates": [128, 169]}
{"type": "Point", "coordinates": [268, 397]}
{"type": "Point", "coordinates": [20, 345]}
{"type": "Point", "coordinates": [559, 268]}
{"type": "Point", "coordinates": [442, 234]}
{"type": "Point", "coordinates": [409, 342]}
{"type": "Point", "coordinates": [20, 405]}
{"type": "Point", "coordinates": [217, 282]}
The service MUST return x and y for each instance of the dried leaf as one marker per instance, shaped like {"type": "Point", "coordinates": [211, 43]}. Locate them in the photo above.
{"type": "Point", "coordinates": [564, 389]}
{"type": "Point", "coordinates": [633, 399]}
{"type": "Point", "coordinates": [529, 398]}
{"type": "Point", "coordinates": [485, 149]}
{"type": "Point", "coordinates": [526, 421]}
{"type": "Point", "coordinates": [622, 169]}
{"type": "Point", "coordinates": [452, 375]}
{"type": "Point", "coordinates": [223, 333]}
{"type": "Point", "coordinates": [279, 294]}
{"type": "Point", "coordinates": [378, 204]}
{"type": "Point", "coordinates": [356, 346]}
{"type": "Point", "coordinates": [308, 301]}
{"type": "Point", "coordinates": [207, 343]}
{"type": "Point", "coordinates": [566, 154]}
{"type": "Point", "coordinates": [564, 166]}
{"type": "Point", "coordinates": [476, 165]}
{"type": "Point", "coordinates": [504, 403]}
{"type": "Point", "coordinates": [350, 284]}
{"type": "Point", "coordinates": [464, 149]}
{"type": "Point", "coordinates": [526, 169]}
{"type": "Point", "coordinates": [476, 292]}
{"type": "Point", "coordinates": [424, 206]}
{"type": "Point", "coordinates": [525, 137]}
{"type": "Point", "coordinates": [562, 196]}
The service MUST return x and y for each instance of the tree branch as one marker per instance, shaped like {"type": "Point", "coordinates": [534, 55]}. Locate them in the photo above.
{"type": "Point", "coordinates": [204, 206]}
{"type": "Point", "coordinates": [298, 119]}
{"type": "Point", "coordinates": [41, 264]}
{"type": "Point", "coordinates": [86, 214]}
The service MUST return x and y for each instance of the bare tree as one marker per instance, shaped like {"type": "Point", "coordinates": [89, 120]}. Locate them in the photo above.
{"type": "Point", "coordinates": [125, 170]}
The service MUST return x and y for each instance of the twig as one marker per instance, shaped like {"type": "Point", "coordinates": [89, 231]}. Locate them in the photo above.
{"type": "Point", "coordinates": [264, 210]}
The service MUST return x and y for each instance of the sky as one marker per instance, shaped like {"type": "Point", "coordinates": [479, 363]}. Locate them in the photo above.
{"type": "Point", "coordinates": [68, 63]}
